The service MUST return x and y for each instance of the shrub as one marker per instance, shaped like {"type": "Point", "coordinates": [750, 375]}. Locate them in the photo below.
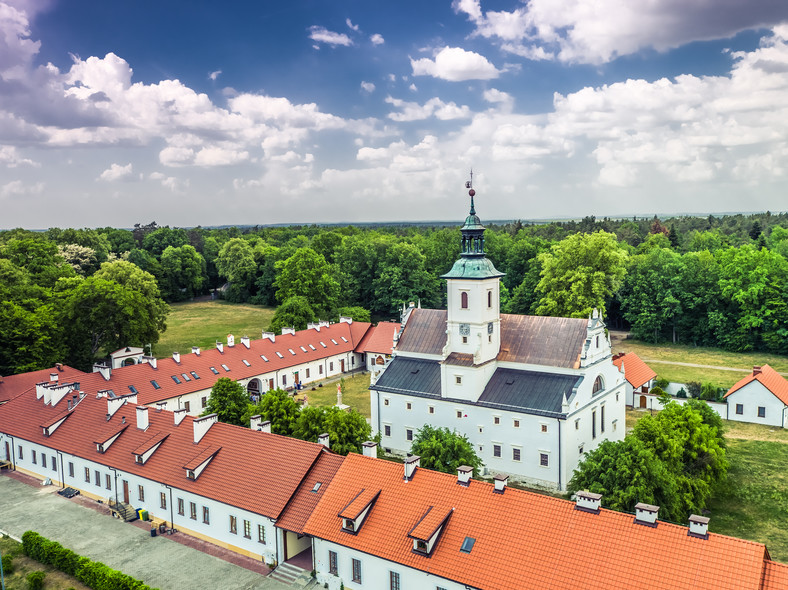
{"type": "Point", "coordinates": [35, 580]}
{"type": "Point", "coordinates": [709, 392]}
{"type": "Point", "coordinates": [661, 383]}
{"type": "Point", "coordinates": [657, 391]}
{"type": "Point", "coordinates": [693, 388]}
{"type": "Point", "coordinates": [682, 393]}
{"type": "Point", "coordinates": [8, 564]}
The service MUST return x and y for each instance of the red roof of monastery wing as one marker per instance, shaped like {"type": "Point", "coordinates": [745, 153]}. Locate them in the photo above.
{"type": "Point", "coordinates": [303, 502]}
{"type": "Point", "coordinates": [637, 372]}
{"type": "Point", "coordinates": [775, 576]}
{"type": "Point", "coordinates": [769, 378]}
{"type": "Point", "coordinates": [379, 339]}
{"type": "Point", "coordinates": [13, 385]}
{"type": "Point", "coordinates": [521, 535]}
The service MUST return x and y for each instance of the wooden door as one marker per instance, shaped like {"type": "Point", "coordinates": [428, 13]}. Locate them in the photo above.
{"type": "Point", "coordinates": [270, 384]}
{"type": "Point", "coordinates": [7, 452]}
{"type": "Point", "coordinates": [643, 401]}
{"type": "Point", "coordinates": [125, 491]}
{"type": "Point", "coordinates": [342, 365]}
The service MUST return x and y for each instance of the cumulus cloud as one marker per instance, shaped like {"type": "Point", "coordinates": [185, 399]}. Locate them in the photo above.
{"type": "Point", "coordinates": [575, 31]}
{"type": "Point", "coordinates": [350, 25]}
{"type": "Point", "coordinates": [115, 172]}
{"type": "Point", "coordinates": [11, 158]}
{"type": "Point", "coordinates": [368, 87]}
{"type": "Point", "coordinates": [377, 39]}
{"type": "Point", "coordinates": [456, 65]}
{"type": "Point", "coordinates": [218, 156]}
{"type": "Point", "coordinates": [18, 188]}
{"type": "Point", "coordinates": [412, 111]}
{"type": "Point", "coordinates": [323, 35]}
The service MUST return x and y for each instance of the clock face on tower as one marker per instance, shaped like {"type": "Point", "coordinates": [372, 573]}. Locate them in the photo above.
{"type": "Point", "coordinates": [465, 329]}
{"type": "Point", "coordinates": [490, 328]}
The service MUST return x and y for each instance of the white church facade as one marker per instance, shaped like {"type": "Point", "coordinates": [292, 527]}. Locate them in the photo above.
{"type": "Point", "coordinates": [532, 394]}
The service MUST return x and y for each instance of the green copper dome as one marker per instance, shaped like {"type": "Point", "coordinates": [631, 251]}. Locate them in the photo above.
{"type": "Point", "coordinates": [473, 268]}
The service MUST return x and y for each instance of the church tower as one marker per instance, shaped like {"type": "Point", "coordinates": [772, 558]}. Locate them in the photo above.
{"type": "Point", "coordinates": [474, 315]}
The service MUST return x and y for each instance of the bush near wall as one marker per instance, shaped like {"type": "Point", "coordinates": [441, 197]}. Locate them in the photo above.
{"type": "Point", "coordinates": [93, 574]}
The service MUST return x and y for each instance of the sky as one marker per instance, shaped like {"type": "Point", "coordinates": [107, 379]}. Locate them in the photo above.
{"type": "Point", "coordinates": [307, 111]}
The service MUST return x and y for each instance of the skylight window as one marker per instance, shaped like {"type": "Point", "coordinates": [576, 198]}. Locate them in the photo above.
{"type": "Point", "coordinates": [312, 347]}
{"type": "Point", "coordinates": [291, 351]}
{"type": "Point", "coordinates": [467, 544]}
{"type": "Point", "coordinates": [133, 389]}
{"type": "Point", "coordinates": [265, 358]}
{"type": "Point", "coordinates": [155, 384]}
{"type": "Point", "coordinates": [317, 486]}
{"type": "Point", "coordinates": [175, 378]}
{"type": "Point", "coordinates": [335, 342]}
{"type": "Point", "coordinates": [225, 367]}
{"type": "Point", "coordinates": [304, 349]}
{"type": "Point", "coordinates": [344, 339]}
{"type": "Point", "coordinates": [214, 371]}
{"type": "Point", "coordinates": [195, 375]}
{"type": "Point", "coordinates": [279, 354]}
{"type": "Point", "coordinates": [247, 363]}
{"type": "Point", "coordinates": [323, 344]}
{"type": "Point", "coordinates": [186, 377]}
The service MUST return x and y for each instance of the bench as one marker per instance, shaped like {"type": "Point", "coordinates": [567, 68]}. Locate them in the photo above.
{"type": "Point", "coordinates": [5, 465]}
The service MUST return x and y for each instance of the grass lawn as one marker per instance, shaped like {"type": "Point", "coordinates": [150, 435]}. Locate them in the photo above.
{"type": "Point", "coordinates": [202, 323]}
{"type": "Point", "coordinates": [55, 580]}
{"type": "Point", "coordinates": [679, 353]}
{"type": "Point", "coordinates": [355, 393]}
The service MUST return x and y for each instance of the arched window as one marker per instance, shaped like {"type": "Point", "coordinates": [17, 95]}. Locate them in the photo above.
{"type": "Point", "coordinates": [464, 300]}
{"type": "Point", "coordinates": [599, 385]}
{"type": "Point", "coordinates": [489, 299]}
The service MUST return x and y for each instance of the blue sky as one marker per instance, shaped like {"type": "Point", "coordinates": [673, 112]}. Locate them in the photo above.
{"type": "Point", "coordinates": [187, 113]}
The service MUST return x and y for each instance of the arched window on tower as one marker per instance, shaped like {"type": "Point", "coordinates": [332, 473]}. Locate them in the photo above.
{"type": "Point", "coordinates": [599, 385]}
{"type": "Point", "coordinates": [464, 300]}
{"type": "Point", "coordinates": [489, 299]}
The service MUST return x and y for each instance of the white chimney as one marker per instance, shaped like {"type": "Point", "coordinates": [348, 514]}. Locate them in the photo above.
{"type": "Point", "coordinates": [245, 341]}
{"type": "Point", "coordinates": [151, 360]}
{"type": "Point", "coordinates": [47, 395]}
{"type": "Point", "coordinates": [464, 474]}
{"type": "Point", "coordinates": [370, 448]}
{"type": "Point", "coordinates": [345, 320]}
{"type": "Point", "coordinates": [288, 331]}
{"type": "Point", "coordinates": [142, 417]}
{"type": "Point", "coordinates": [179, 415]}
{"type": "Point", "coordinates": [230, 340]}
{"type": "Point", "coordinates": [115, 403]}
{"type": "Point", "coordinates": [411, 464]}
{"type": "Point", "coordinates": [500, 483]}
{"type": "Point", "coordinates": [58, 392]}
{"type": "Point", "coordinates": [203, 425]}
{"type": "Point", "coordinates": [54, 377]}
{"type": "Point", "coordinates": [270, 335]}
{"type": "Point", "coordinates": [265, 426]}
{"type": "Point", "coordinates": [196, 350]}
{"type": "Point", "coordinates": [254, 422]}
{"type": "Point", "coordinates": [40, 388]}
{"type": "Point", "coordinates": [161, 406]}
{"type": "Point", "coordinates": [323, 440]}
{"type": "Point", "coordinates": [646, 514]}
{"type": "Point", "coordinates": [103, 369]}
{"type": "Point", "coordinates": [313, 326]}
{"type": "Point", "coordinates": [698, 526]}
{"type": "Point", "coordinates": [176, 356]}
{"type": "Point", "coordinates": [323, 323]}
{"type": "Point", "coordinates": [588, 501]}
{"type": "Point", "coordinates": [220, 347]}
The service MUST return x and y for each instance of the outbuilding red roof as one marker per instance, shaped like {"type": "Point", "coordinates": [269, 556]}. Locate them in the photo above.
{"type": "Point", "coordinates": [379, 339]}
{"type": "Point", "coordinates": [636, 372]}
{"type": "Point", "coordinates": [767, 377]}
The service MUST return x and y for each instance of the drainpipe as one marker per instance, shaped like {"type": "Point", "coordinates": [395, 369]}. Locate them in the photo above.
{"type": "Point", "coordinates": [559, 455]}
{"type": "Point", "coordinates": [172, 513]}
{"type": "Point", "coordinates": [62, 471]}
{"type": "Point", "coordinates": [115, 472]}
{"type": "Point", "coordinates": [377, 396]}
{"type": "Point", "coordinates": [13, 452]}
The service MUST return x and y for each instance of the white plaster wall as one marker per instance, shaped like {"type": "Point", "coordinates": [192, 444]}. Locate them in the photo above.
{"type": "Point", "coordinates": [751, 396]}
{"type": "Point", "coordinates": [478, 315]}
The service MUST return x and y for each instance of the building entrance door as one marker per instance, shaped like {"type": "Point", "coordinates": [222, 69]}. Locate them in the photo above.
{"type": "Point", "coordinates": [342, 365]}
{"type": "Point", "coordinates": [7, 452]}
{"type": "Point", "coordinates": [125, 491]}
{"type": "Point", "coordinates": [643, 402]}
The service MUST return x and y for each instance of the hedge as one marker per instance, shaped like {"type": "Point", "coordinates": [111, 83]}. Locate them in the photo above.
{"type": "Point", "coordinates": [93, 574]}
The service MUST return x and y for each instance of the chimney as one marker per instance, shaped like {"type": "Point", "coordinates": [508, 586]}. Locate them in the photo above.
{"type": "Point", "coordinates": [161, 406]}
{"type": "Point", "coordinates": [290, 330]}
{"type": "Point", "coordinates": [313, 326]}
{"type": "Point", "coordinates": [142, 417]}
{"type": "Point", "coordinates": [370, 448]}
{"type": "Point", "coordinates": [47, 395]}
{"type": "Point", "coordinates": [698, 526]}
{"type": "Point", "coordinates": [411, 464]}
{"type": "Point", "coordinates": [40, 388]}
{"type": "Point", "coordinates": [220, 347]}
{"type": "Point", "coordinates": [103, 369]}
{"type": "Point", "coordinates": [323, 323]}
{"type": "Point", "coordinates": [151, 360]}
{"type": "Point", "coordinates": [203, 425]}
{"type": "Point", "coordinates": [176, 356]}
{"type": "Point", "coordinates": [500, 483]}
{"type": "Point", "coordinates": [179, 415]}
{"type": "Point", "coordinates": [53, 377]}
{"type": "Point", "coordinates": [464, 474]}
{"type": "Point", "coordinates": [756, 370]}
{"type": "Point", "coordinates": [345, 320]}
{"type": "Point", "coordinates": [245, 341]}
{"type": "Point", "coordinates": [270, 335]}
{"type": "Point", "coordinates": [196, 350]}
{"type": "Point", "coordinates": [588, 501]}
{"type": "Point", "coordinates": [59, 367]}
{"type": "Point", "coordinates": [115, 403]}
{"type": "Point", "coordinates": [323, 440]}
{"type": "Point", "coordinates": [230, 340]}
{"type": "Point", "coordinates": [265, 426]}
{"type": "Point", "coordinates": [254, 422]}
{"type": "Point", "coordinates": [58, 392]}
{"type": "Point", "coordinates": [646, 514]}
{"type": "Point", "coordinates": [70, 407]}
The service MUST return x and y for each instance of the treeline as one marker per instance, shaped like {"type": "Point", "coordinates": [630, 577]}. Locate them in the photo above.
{"type": "Point", "coordinates": [72, 294]}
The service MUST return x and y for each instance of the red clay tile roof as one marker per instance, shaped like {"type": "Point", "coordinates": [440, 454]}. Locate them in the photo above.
{"type": "Point", "coordinates": [202, 456]}
{"type": "Point", "coordinates": [359, 502]}
{"type": "Point", "coordinates": [429, 523]}
{"type": "Point", "coordinates": [526, 536]}
{"type": "Point", "coordinates": [770, 379]}
{"type": "Point", "coordinates": [635, 370]}
{"type": "Point", "coordinates": [151, 442]}
{"type": "Point", "coordinates": [255, 471]}
{"type": "Point", "coordinates": [379, 339]}
{"type": "Point", "coordinates": [13, 385]}
{"type": "Point", "coordinates": [303, 502]}
{"type": "Point", "coordinates": [775, 576]}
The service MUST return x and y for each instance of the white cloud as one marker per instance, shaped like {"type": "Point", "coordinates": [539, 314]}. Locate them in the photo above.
{"type": "Point", "coordinates": [16, 48]}
{"type": "Point", "coordinates": [115, 172]}
{"type": "Point", "coordinates": [412, 111]}
{"type": "Point", "coordinates": [392, 78]}
{"type": "Point", "coordinates": [215, 74]}
{"type": "Point", "coordinates": [350, 25]}
{"type": "Point", "coordinates": [323, 35]}
{"type": "Point", "coordinates": [367, 86]}
{"type": "Point", "coordinates": [217, 156]}
{"type": "Point", "coordinates": [10, 157]}
{"type": "Point", "coordinates": [413, 87]}
{"type": "Point", "coordinates": [19, 188]}
{"type": "Point", "coordinates": [176, 156]}
{"type": "Point", "coordinates": [456, 65]}
{"type": "Point", "coordinates": [377, 39]}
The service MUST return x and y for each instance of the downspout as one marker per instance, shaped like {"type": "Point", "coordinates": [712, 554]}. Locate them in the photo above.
{"type": "Point", "coordinates": [559, 454]}
{"type": "Point", "coordinates": [377, 395]}
{"type": "Point", "coordinates": [62, 471]}
{"type": "Point", "coordinates": [115, 472]}
{"type": "Point", "coordinates": [13, 452]}
{"type": "Point", "coordinates": [172, 513]}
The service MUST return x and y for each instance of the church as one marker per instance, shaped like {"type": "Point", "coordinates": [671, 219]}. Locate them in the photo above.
{"type": "Point", "coordinates": [532, 394]}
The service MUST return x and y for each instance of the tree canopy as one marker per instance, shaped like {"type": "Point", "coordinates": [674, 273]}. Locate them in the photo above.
{"type": "Point", "coordinates": [444, 450]}
{"type": "Point", "coordinates": [228, 400]}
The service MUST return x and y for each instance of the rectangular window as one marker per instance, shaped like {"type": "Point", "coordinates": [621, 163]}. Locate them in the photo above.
{"type": "Point", "coordinates": [54, 463]}
{"type": "Point", "coordinates": [761, 412]}
{"type": "Point", "coordinates": [357, 571]}
{"type": "Point", "coordinates": [515, 454]}
{"type": "Point", "coordinates": [458, 380]}
{"type": "Point", "coordinates": [543, 428]}
{"type": "Point", "coordinates": [204, 402]}
{"type": "Point", "coordinates": [740, 409]}
{"type": "Point", "coordinates": [21, 454]}
{"type": "Point", "coordinates": [35, 460]}
{"type": "Point", "coordinates": [394, 581]}
{"type": "Point", "coordinates": [175, 378]}
{"type": "Point", "coordinates": [516, 423]}
{"type": "Point", "coordinates": [155, 384]}
{"type": "Point", "coordinates": [432, 409]}
{"type": "Point", "coordinates": [408, 406]}
{"type": "Point", "coordinates": [284, 379]}
{"type": "Point", "coordinates": [602, 419]}
{"type": "Point", "coordinates": [193, 511]}
{"type": "Point", "coordinates": [496, 450]}
{"type": "Point", "coordinates": [181, 507]}
{"type": "Point", "coordinates": [70, 469]}
{"type": "Point", "coordinates": [195, 375]}
{"type": "Point", "coordinates": [261, 533]}
{"type": "Point", "coordinates": [225, 367]}
{"type": "Point", "coordinates": [496, 420]}
{"type": "Point", "coordinates": [320, 369]}
{"type": "Point", "coordinates": [331, 366]}
{"type": "Point", "coordinates": [141, 493]}
{"type": "Point", "coordinates": [464, 300]}
{"type": "Point", "coordinates": [593, 424]}
{"type": "Point", "coordinates": [387, 430]}
{"type": "Point", "coordinates": [43, 460]}
{"type": "Point", "coordinates": [214, 371]}
{"type": "Point", "coordinates": [385, 401]}
{"type": "Point", "coordinates": [577, 424]}
{"type": "Point", "coordinates": [332, 562]}
{"type": "Point", "coordinates": [233, 525]}
{"type": "Point", "coordinates": [97, 477]}
{"type": "Point", "coordinates": [206, 515]}
{"type": "Point", "coordinates": [186, 377]}
{"type": "Point", "coordinates": [188, 406]}
{"type": "Point", "coordinates": [87, 474]}
{"type": "Point", "coordinates": [544, 460]}
{"type": "Point", "coordinates": [163, 498]}
{"type": "Point", "coordinates": [247, 529]}
{"type": "Point", "coordinates": [306, 371]}
{"type": "Point", "coordinates": [459, 413]}
{"type": "Point", "coordinates": [465, 340]}
{"type": "Point", "coordinates": [408, 434]}
{"type": "Point", "coordinates": [489, 299]}
{"type": "Point", "coordinates": [108, 481]}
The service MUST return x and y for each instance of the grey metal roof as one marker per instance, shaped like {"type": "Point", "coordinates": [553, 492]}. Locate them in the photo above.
{"type": "Point", "coordinates": [529, 391]}
{"type": "Point", "coordinates": [425, 332]}
{"type": "Point", "coordinates": [411, 376]}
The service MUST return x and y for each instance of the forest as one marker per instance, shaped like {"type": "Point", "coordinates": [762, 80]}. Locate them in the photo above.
{"type": "Point", "coordinates": [73, 295]}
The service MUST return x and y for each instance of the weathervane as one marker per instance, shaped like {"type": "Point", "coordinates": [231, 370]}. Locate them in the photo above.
{"type": "Point", "coordinates": [471, 192]}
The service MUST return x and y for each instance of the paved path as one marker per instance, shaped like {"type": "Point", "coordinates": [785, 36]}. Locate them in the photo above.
{"type": "Point", "coordinates": [159, 561]}
{"type": "Point", "coordinates": [717, 367]}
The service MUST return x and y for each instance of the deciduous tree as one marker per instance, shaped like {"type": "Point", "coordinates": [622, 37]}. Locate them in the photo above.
{"type": "Point", "coordinates": [228, 400]}
{"type": "Point", "coordinates": [444, 450]}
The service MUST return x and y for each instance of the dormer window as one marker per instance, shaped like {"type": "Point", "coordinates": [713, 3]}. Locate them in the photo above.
{"type": "Point", "coordinates": [356, 511]}
{"type": "Point", "coordinates": [200, 461]}
{"type": "Point", "coordinates": [349, 525]}
{"type": "Point", "coordinates": [100, 448]}
{"type": "Point", "coordinates": [190, 474]}
{"type": "Point", "coordinates": [426, 532]}
{"type": "Point", "coordinates": [138, 459]}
